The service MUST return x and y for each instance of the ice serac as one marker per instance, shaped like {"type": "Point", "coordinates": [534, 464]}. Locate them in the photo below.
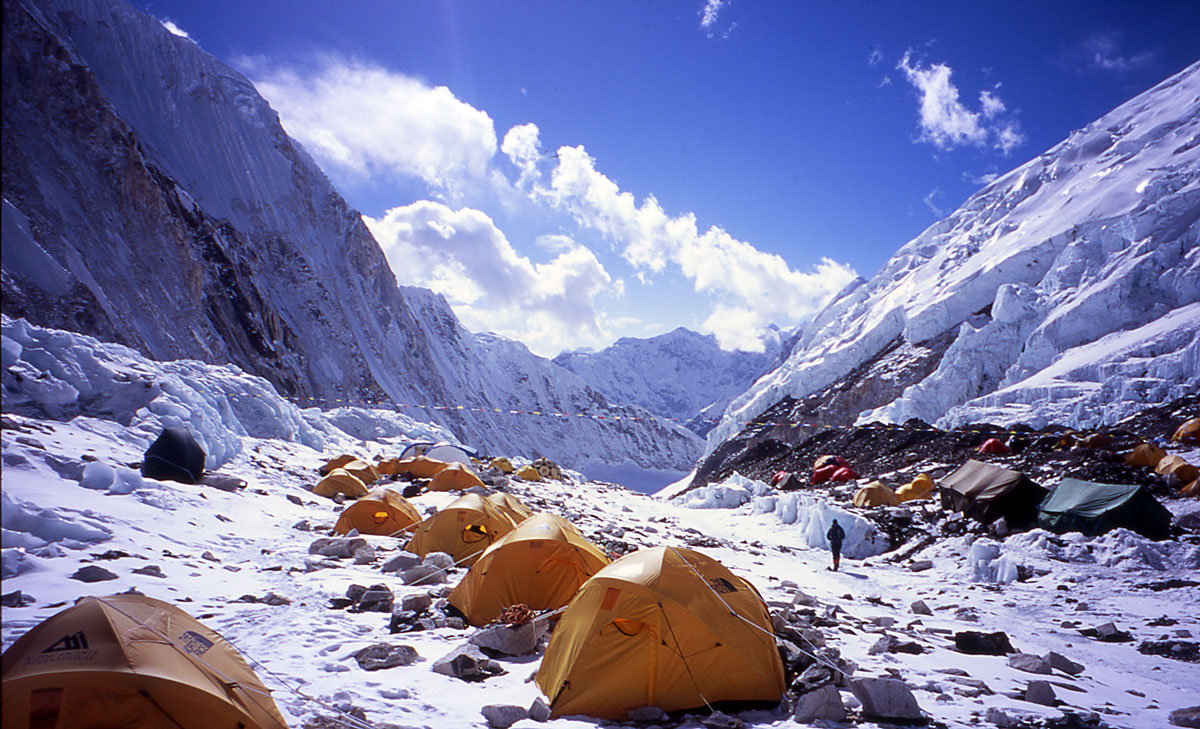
{"type": "Point", "coordinates": [1066, 290]}
{"type": "Point", "coordinates": [682, 375]}
{"type": "Point", "coordinates": [152, 198]}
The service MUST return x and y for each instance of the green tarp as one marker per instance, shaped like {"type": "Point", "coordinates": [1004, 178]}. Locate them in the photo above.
{"type": "Point", "coordinates": [1095, 508]}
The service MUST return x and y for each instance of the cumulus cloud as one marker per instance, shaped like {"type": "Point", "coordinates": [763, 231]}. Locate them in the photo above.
{"type": "Point", "coordinates": [751, 288]}
{"type": "Point", "coordinates": [366, 120]}
{"type": "Point", "coordinates": [462, 255]}
{"type": "Point", "coordinates": [947, 123]}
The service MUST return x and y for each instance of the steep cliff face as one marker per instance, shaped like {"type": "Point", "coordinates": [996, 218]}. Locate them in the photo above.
{"type": "Point", "coordinates": [152, 198]}
{"type": "Point", "coordinates": [1066, 290]}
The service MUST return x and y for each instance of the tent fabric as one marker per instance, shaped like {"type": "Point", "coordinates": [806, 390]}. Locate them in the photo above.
{"type": "Point", "coordinates": [995, 446]}
{"type": "Point", "coordinates": [383, 511]}
{"type": "Point", "coordinates": [1095, 508]}
{"type": "Point", "coordinates": [824, 473]}
{"type": "Point", "coordinates": [541, 564]}
{"type": "Point", "coordinates": [454, 477]}
{"type": "Point", "coordinates": [419, 467]}
{"type": "Point", "coordinates": [174, 456]}
{"type": "Point", "coordinates": [439, 451]}
{"type": "Point", "coordinates": [340, 481]}
{"type": "Point", "coordinates": [501, 464]}
{"type": "Point", "coordinates": [843, 474]}
{"type": "Point", "coordinates": [387, 467]}
{"type": "Point", "coordinates": [466, 527]}
{"type": "Point", "coordinates": [986, 493]}
{"type": "Point", "coordinates": [1188, 432]}
{"type": "Point", "coordinates": [875, 494]}
{"type": "Point", "coordinates": [830, 460]}
{"type": "Point", "coordinates": [335, 462]}
{"type": "Point", "coordinates": [920, 487]}
{"type": "Point", "coordinates": [1146, 455]}
{"type": "Point", "coordinates": [362, 470]}
{"type": "Point", "coordinates": [1178, 468]}
{"type": "Point", "coordinates": [1192, 489]}
{"type": "Point", "coordinates": [529, 473]}
{"type": "Point", "coordinates": [510, 506]}
{"type": "Point", "coordinates": [667, 627]}
{"type": "Point", "coordinates": [131, 661]}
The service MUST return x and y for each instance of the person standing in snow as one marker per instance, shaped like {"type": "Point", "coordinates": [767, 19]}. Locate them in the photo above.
{"type": "Point", "coordinates": [836, 535]}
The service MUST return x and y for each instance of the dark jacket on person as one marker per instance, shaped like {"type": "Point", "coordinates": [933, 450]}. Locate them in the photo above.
{"type": "Point", "coordinates": [835, 535]}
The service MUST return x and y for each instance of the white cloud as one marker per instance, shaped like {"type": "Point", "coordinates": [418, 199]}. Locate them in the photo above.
{"type": "Point", "coordinates": [710, 18]}
{"type": "Point", "coordinates": [751, 288]}
{"type": "Point", "coordinates": [946, 123]}
{"type": "Point", "coordinates": [369, 121]}
{"type": "Point", "coordinates": [1103, 53]}
{"type": "Point", "coordinates": [175, 29]}
{"type": "Point", "coordinates": [462, 255]}
{"type": "Point", "coordinates": [875, 57]}
{"type": "Point", "coordinates": [522, 147]}
{"type": "Point", "coordinates": [928, 200]}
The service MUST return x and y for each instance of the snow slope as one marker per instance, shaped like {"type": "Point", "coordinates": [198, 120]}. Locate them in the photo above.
{"type": "Point", "coordinates": [152, 198]}
{"type": "Point", "coordinates": [63, 509]}
{"type": "Point", "coordinates": [1098, 239]}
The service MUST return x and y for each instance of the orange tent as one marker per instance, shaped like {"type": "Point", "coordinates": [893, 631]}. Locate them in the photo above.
{"type": "Point", "coordinates": [340, 481]}
{"type": "Point", "coordinates": [362, 470]}
{"type": "Point", "coordinates": [454, 477]}
{"type": "Point", "coordinates": [419, 467]}
{"type": "Point", "coordinates": [131, 661]}
{"type": "Point", "coordinates": [388, 467]}
{"type": "Point", "coordinates": [875, 494]}
{"type": "Point", "coordinates": [667, 627]}
{"type": "Point", "coordinates": [541, 564]}
{"type": "Point", "coordinates": [511, 506]}
{"type": "Point", "coordinates": [1177, 467]}
{"type": "Point", "coordinates": [995, 446]}
{"type": "Point", "coordinates": [383, 511]}
{"type": "Point", "coordinates": [1192, 489]}
{"type": "Point", "coordinates": [920, 487]}
{"type": "Point", "coordinates": [1146, 455]}
{"type": "Point", "coordinates": [466, 527]}
{"type": "Point", "coordinates": [1189, 432]}
{"type": "Point", "coordinates": [335, 462]}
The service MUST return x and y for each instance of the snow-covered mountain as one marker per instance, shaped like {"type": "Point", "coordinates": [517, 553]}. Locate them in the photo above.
{"type": "Point", "coordinates": [1067, 290]}
{"type": "Point", "coordinates": [152, 198]}
{"type": "Point", "coordinates": [682, 375]}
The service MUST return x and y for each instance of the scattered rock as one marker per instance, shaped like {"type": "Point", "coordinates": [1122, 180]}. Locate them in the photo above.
{"type": "Point", "coordinates": [1188, 717]}
{"type": "Point", "coordinates": [295, 499]}
{"type": "Point", "coordinates": [646, 715]}
{"type": "Point", "coordinates": [416, 603]}
{"type": "Point", "coordinates": [812, 678]}
{"type": "Point", "coordinates": [998, 717]}
{"type": "Point", "coordinates": [921, 565]}
{"type": "Point", "coordinates": [1029, 663]}
{"type": "Point", "coordinates": [377, 599]}
{"type": "Point", "coordinates": [401, 562]}
{"type": "Point", "coordinates": [439, 560]}
{"type": "Point", "coordinates": [920, 608]}
{"type": "Point", "coordinates": [210, 556]}
{"type": "Point", "coordinates": [271, 598]}
{"type": "Point", "coordinates": [336, 547]}
{"type": "Point", "coordinates": [1107, 633]}
{"type": "Point", "coordinates": [340, 603]}
{"type": "Point", "coordinates": [1064, 664]}
{"type": "Point", "coordinates": [150, 570]}
{"type": "Point", "coordinates": [364, 555]}
{"type": "Point", "coordinates": [1040, 692]}
{"type": "Point", "coordinates": [423, 574]}
{"type": "Point", "coordinates": [502, 716]}
{"type": "Point", "coordinates": [355, 592]}
{"type": "Point", "coordinates": [16, 599]}
{"type": "Point", "coordinates": [384, 655]}
{"type": "Point", "coordinates": [1180, 650]}
{"type": "Point", "coordinates": [508, 641]}
{"type": "Point", "coordinates": [983, 644]}
{"type": "Point", "coordinates": [92, 573]}
{"type": "Point", "coordinates": [539, 710]}
{"type": "Point", "coordinates": [468, 663]}
{"type": "Point", "coordinates": [824, 702]}
{"type": "Point", "coordinates": [886, 698]}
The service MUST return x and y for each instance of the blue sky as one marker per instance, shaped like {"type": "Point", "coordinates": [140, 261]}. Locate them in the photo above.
{"type": "Point", "coordinates": [569, 173]}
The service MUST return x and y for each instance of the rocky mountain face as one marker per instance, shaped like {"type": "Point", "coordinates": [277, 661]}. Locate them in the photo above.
{"type": "Point", "coordinates": [1067, 290]}
{"type": "Point", "coordinates": [152, 198]}
{"type": "Point", "coordinates": [682, 375]}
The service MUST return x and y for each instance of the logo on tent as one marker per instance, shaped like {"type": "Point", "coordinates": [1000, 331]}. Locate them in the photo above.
{"type": "Point", "coordinates": [72, 642]}
{"type": "Point", "coordinates": [195, 643]}
{"type": "Point", "coordinates": [722, 585]}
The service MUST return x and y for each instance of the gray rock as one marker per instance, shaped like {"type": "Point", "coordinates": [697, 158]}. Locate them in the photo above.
{"type": "Point", "coordinates": [401, 562]}
{"type": "Point", "coordinates": [364, 555]}
{"type": "Point", "coordinates": [384, 655]}
{"type": "Point", "coordinates": [468, 663]}
{"type": "Point", "coordinates": [920, 608]}
{"type": "Point", "coordinates": [16, 599]}
{"type": "Point", "coordinates": [880, 646]}
{"type": "Point", "coordinates": [920, 565]}
{"type": "Point", "coordinates": [883, 621]}
{"type": "Point", "coordinates": [804, 600]}
{"type": "Point", "coordinates": [1040, 692]}
{"type": "Point", "coordinates": [336, 547]}
{"type": "Point", "coordinates": [1189, 717]}
{"type": "Point", "coordinates": [508, 641]}
{"type": "Point", "coordinates": [423, 574]}
{"type": "Point", "coordinates": [275, 599]}
{"type": "Point", "coordinates": [973, 642]}
{"type": "Point", "coordinates": [824, 702]}
{"type": "Point", "coordinates": [813, 677]}
{"type": "Point", "coordinates": [150, 570]}
{"type": "Point", "coordinates": [1064, 664]}
{"type": "Point", "coordinates": [354, 592]}
{"type": "Point", "coordinates": [210, 556]}
{"type": "Point", "coordinates": [416, 603]}
{"type": "Point", "coordinates": [92, 573]}
{"type": "Point", "coordinates": [539, 710]}
{"type": "Point", "coordinates": [886, 698]}
{"type": "Point", "coordinates": [440, 560]}
{"type": "Point", "coordinates": [998, 717]}
{"type": "Point", "coordinates": [1029, 663]}
{"type": "Point", "coordinates": [377, 599]}
{"type": "Point", "coordinates": [502, 716]}
{"type": "Point", "coordinates": [1110, 633]}
{"type": "Point", "coordinates": [646, 714]}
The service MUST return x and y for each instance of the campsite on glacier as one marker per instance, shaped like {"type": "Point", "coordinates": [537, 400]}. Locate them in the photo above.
{"type": "Point", "coordinates": [179, 263]}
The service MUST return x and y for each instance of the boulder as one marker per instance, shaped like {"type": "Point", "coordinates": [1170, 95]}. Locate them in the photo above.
{"type": "Point", "coordinates": [824, 702]}
{"type": "Point", "coordinates": [1040, 692]}
{"type": "Point", "coordinates": [1064, 664]}
{"type": "Point", "coordinates": [364, 555]}
{"type": "Point", "coordinates": [468, 663]}
{"type": "Point", "coordinates": [150, 570]}
{"type": "Point", "coordinates": [16, 599]}
{"type": "Point", "coordinates": [439, 560]}
{"type": "Point", "coordinates": [1188, 717]}
{"type": "Point", "coordinates": [1029, 663]}
{"type": "Point", "coordinates": [354, 592]}
{"type": "Point", "coordinates": [920, 565]}
{"type": "Point", "coordinates": [539, 710]}
{"type": "Point", "coordinates": [646, 715]}
{"type": "Point", "coordinates": [920, 608]}
{"type": "Point", "coordinates": [976, 643]}
{"type": "Point", "coordinates": [423, 574]}
{"type": "Point", "coordinates": [502, 716]}
{"type": "Point", "coordinates": [997, 716]}
{"type": "Point", "coordinates": [401, 562]}
{"type": "Point", "coordinates": [336, 547]}
{"type": "Point", "coordinates": [384, 655]}
{"type": "Point", "coordinates": [1180, 650]}
{"type": "Point", "coordinates": [886, 698]}
{"type": "Point", "coordinates": [92, 573]}
{"type": "Point", "coordinates": [416, 603]}
{"type": "Point", "coordinates": [515, 641]}
{"type": "Point", "coordinates": [813, 677]}
{"type": "Point", "coordinates": [377, 599]}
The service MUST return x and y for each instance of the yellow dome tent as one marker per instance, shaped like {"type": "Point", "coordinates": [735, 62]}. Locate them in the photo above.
{"type": "Point", "coordinates": [131, 661]}
{"type": "Point", "coordinates": [339, 481]}
{"type": "Point", "coordinates": [454, 477]}
{"type": "Point", "coordinates": [335, 462]}
{"type": "Point", "coordinates": [466, 527]}
{"type": "Point", "coordinates": [419, 467]}
{"type": "Point", "coordinates": [541, 564]}
{"type": "Point", "coordinates": [920, 487]}
{"type": "Point", "coordinates": [667, 627]}
{"type": "Point", "coordinates": [362, 470]}
{"type": "Point", "coordinates": [387, 467]}
{"type": "Point", "coordinates": [1177, 467]}
{"type": "Point", "coordinates": [875, 494]}
{"type": "Point", "coordinates": [502, 464]}
{"type": "Point", "coordinates": [511, 506]}
{"type": "Point", "coordinates": [529, 473]}
{"type": "Point", "coordinates": [1188, 432]}
{"type": "Point", "coordinates": [383, 511]}
{"type": "Point", "coordinates": [1146, 455]}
